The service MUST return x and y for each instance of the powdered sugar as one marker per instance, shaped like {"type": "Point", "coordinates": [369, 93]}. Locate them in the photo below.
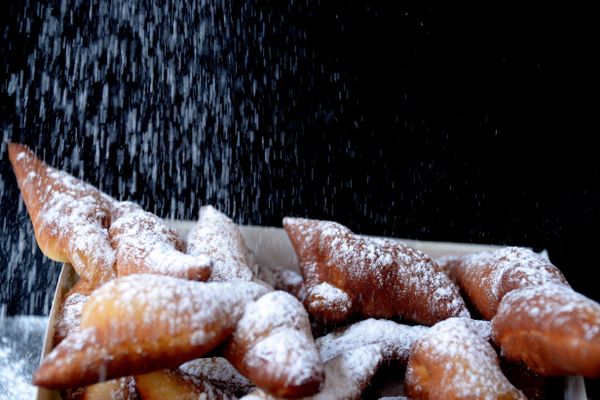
{"type": "Point", "coordinates": [145, 244]}
{"type": "Point", "coordinates": [558, 308]}
{"type": "Point", "coordinates": [69, 216]}
{"type": "Point", "coordinates": [393, 339]}
{"type": "Point", "coordinates": [346, 375]}
{"type": "Point", "coordinates": [459, 362]}
{"type": "Point", "coordinates": [511, 268]}
{"type": "Point", "coordinates": [170, 306]}
{"type": "Point", "coordinates": [353, 356]}
{"type": "Point", "coordinates": [277, 330]}
{"type": "Point", "coordinates": [326, 296]}
{"type": "Point", "coordinates": [219, 372]}
{"type": "Point", "coordinates": [401, 280]}
{"type": "Point", "coordinates": [68, 318]}
{"type": "Point", "coordinates": [128, 316]}
{"type": "Point", "coordinates": [218, 236]}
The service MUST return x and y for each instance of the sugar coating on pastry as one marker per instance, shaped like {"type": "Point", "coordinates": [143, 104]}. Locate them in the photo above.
{"type": "Point", "coordinates": [552, 328]}
{"type": "Point", "coordinates": [326, 296]}
{"type": "Point", "coordinates": [144, 244]}
{"type": "Point", "coordinates": [452, 361]}
{"type": "Point", "coordinates": [352, 356]}
{"type": "Point", "coordinates": [68, 318]}
{"type": "Point", "coordinates": [383, 278]}
{"type": "Point", "coordinates": [346, 375]}
{"type": "Point", "coordinates": [283, 279]}
{"type": "Point", "coordinates": [218, 236]}
{"type": "Point", "coordinates": [219, 372]}
{"type": "Point", "coordinates": [70, 217]}
{"type": "Point", "coordinates": [141, 323]}
{"type": "Point", "coordinates": [393, 339]}
{"type": "Point", "coordinates": [273, 346]}
{"type": "Point", "coordinates": [169, 305]}
{"type": "Point", "coordinates": [486, 277]}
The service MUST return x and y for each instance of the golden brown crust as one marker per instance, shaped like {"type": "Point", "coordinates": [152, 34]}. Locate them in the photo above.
{"type": "Point", "coordinates": [552, 329]}
{"type": "Point", "coordinates": [70, 218]}
{"type": "Point", "coordinates": [273, 347]}
{"type": "Point", "coordinates": [347, 274]}
{"type": "Point", "coordinates": [144, 244]}
{"type": "Point", "coordinates": [454, 361]}
{"type": "Point", "coordinates": [176, 385]}
{"type": "Point", "coordinates": [141, 323]}
{"type": "Point", "coordinates": [487, 277]}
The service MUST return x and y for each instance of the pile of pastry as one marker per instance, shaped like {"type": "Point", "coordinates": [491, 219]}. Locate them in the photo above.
{"type": "Point", "coordinates": [156, 317]}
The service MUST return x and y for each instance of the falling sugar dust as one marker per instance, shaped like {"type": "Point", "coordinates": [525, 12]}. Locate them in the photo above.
{"type": "Point", "coordinates": [172, 105]}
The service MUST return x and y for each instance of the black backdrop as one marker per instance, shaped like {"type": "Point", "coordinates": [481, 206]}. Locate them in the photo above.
{"type": "Point", "coordinates": [430, 123]}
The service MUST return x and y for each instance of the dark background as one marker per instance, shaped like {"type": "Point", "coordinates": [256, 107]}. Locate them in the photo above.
{"type": "Point", "coordinates": [431, 123]}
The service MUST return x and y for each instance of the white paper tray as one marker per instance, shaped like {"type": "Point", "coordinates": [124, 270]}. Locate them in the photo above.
{"type": "Point", "coordinates": [272, 248]}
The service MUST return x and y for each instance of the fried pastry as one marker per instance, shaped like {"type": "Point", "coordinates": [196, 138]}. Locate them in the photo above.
{"type": "Point", "coordinates": [142, 323]}
{"type": "Point", "coordinates": [273, 346]}
{"type": "Point", "coordinates": [353, 355]}
{"type": "Point", "coordinates": [144, 244]}
{"type": "Point", "coordinates": [69, 314]}
{"type": "Point", "coordinates": [487, 277]}
{"type": "Point", "coordinates": [176, 385]}
{"type": "Point", "coordinates": [70, 218]}
{"type": "Point", "coordinates": [219, 237]}
{"type": "Point", "coordinates": [552, 329]}
{"type": "Point", "coordinates": [346, 274]}
{"type": "Point", "coordinates": [455, 361]}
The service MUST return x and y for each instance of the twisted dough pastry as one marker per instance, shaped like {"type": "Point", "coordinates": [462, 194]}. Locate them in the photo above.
{"type": "Point", "coordinates": [554, 330]}
{"type": "Point", "coordinates": [454, 360]}
{"type": "Point", "coordinates": [218, 236]}
{"type": "Point", "coordinates": [144, 244]}
{"type": "Point", "coordinates": [488, 276]}
{"type": "Point", "coordinates": [353, 355]}
{"type": "Point", "coordinates": [70, 218]}
{"type": "Point", "coordinates": [141, 323]}
{"type": "Point", "coordinates": [273, 346]}
{"type": "Point", "coordinates": [346, 274]}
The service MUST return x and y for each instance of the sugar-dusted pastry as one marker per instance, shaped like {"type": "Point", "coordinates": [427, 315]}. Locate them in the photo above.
{"type": "Point", "coordinates": [219, 237]}
{"type": "Point", "coordinates": [551, 328]}
{"type": "Point", "coordinates": [69, 313]}
{"type": "Point", "coordinates": [283, 279]}
{"type": "Point", "coordinates": [273, 346]}
{"type": "Point", "coordinates": [220, 373]}
{"type": "Point", "coordinates": [144, 244]}
{"type": "Point", "coordinates": [346, 274]}
{"type": "Point", "coordinates": [353, 355]}
{"type": "Point", "coordinates": [142, 323]}
{"type": "Point", "coordinates": [70, 218]}
{"type": "Point", "coordinates": [176, 385]}
{"type": "Point", "coordinates": [488, 276]}
{"type": "Point", "coordinates": [454, 360]}
{"type": "Point", "coordinates": [116, 389]}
